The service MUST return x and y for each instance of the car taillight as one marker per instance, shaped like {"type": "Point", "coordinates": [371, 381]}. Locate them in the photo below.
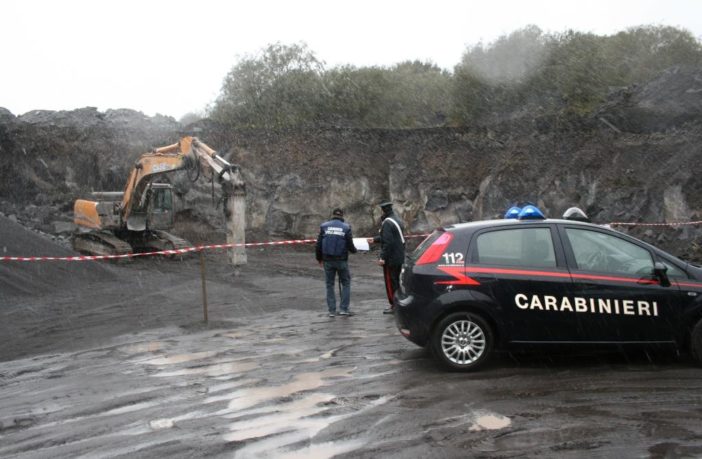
{"type": "Point", "coordinates": [435, 250]}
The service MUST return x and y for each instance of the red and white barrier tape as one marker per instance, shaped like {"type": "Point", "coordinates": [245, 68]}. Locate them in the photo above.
{"type": "Point", "coordinates": [698, 222]}
{"type": "Point", "coordinates": [198, 248]}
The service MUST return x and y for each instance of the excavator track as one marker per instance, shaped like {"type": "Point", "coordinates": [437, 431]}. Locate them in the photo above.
{"type": "Point", "coordinates": [170, 241]}
{"type": "Point", "coordinates": [156, 241]}
{"type": "Point", "coordinates": [99, 243]}
{"type": "Point", "coordinates": [106, 243]}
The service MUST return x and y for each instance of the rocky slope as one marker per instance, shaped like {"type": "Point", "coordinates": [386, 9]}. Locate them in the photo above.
{"type": "Point", "coordinates": [636, 160]}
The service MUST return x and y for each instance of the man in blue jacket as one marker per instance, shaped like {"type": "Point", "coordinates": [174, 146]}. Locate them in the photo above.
{"type": "Point", "coordinates": [334, 243]}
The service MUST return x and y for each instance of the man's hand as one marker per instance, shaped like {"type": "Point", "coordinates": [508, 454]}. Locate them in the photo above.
{"type": "Point", "coordinates": [381, 262]}
{"type": "Point", "coordinates": [370, 240]}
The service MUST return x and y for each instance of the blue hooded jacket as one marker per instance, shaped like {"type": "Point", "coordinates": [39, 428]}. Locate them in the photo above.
{"type": "Point", "coordinates": [334, 241]}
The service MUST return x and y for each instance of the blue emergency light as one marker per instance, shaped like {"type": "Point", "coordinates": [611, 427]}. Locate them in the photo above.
{"type": "Point", "coordinates": [513, 212]}
{"type": "Point", "coordinates": [530, 212]}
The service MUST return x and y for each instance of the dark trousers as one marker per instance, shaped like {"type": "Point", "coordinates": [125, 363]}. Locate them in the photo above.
{"type": "Point", "coordinates": [331, 269]}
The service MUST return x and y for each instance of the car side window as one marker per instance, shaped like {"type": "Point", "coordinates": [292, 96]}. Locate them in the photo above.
{"type": "Point", "coordinates": [516, 247]}
{"type": "Point", "coordinates": [600, 252]}
{"type": "Point", "coordinates": [674, 271]}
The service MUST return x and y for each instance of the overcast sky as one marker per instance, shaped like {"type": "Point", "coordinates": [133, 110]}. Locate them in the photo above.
{"type": "Point", "coordinates": [170, 56]}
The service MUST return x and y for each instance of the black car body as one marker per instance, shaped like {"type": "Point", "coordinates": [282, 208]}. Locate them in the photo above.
{"type": "Point", "coordinates": [473, 287]}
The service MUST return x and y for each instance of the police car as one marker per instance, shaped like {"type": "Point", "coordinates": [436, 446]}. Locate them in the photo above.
{"type": "Point", "coordinates": [471, 288]}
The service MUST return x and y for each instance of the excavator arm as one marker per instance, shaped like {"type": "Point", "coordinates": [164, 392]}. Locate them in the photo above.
{"type": "Point", "coordinates": [233, 189]}
{"type": "Point", "coordinates": [188, 153]}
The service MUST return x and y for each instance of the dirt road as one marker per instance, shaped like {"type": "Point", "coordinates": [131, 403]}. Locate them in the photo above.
{"type": "Point", "coordinates": [119, 363]}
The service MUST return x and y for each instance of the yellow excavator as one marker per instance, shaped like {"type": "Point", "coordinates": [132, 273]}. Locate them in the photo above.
{"type": "Point", "coordinates": [138, 218]}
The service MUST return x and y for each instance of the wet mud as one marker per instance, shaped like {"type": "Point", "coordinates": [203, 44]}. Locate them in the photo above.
{"type": "Point", "coordinates": [122, 365]}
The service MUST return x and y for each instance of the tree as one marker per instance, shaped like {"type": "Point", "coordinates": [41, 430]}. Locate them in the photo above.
{"type": "Point", "coordinates": [578, 71]}
{"type": "Point", "coordinates": [641, 53]}
{"type": "Point", "coordinates": [419, 94]}
{"type": "Point", "coordinates": [280, 87]}
{"type": "Point", "coordinates": [409, 94]}
{"type": "Point", "coordinates": [356, 96]}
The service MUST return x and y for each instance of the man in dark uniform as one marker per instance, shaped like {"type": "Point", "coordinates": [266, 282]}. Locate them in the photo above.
{"type": "Point", "coordinates": [334, 243]}
{"type": "Point", "coordinates": [392, 250]}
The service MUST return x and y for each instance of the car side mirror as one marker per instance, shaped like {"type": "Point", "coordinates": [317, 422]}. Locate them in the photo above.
{"type": "Point", "coordinates": [660, 270]}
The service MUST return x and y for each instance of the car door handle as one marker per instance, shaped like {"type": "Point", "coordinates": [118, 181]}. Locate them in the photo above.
{"type": "Point", "coordinates": [485, 280]}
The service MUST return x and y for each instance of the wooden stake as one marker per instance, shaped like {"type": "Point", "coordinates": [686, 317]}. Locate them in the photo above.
{"type": "Point", "coordinates": [204, 288]}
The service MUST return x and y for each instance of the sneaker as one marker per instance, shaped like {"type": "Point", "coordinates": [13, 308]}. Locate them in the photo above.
{"type": "Point", "coordinates": [346, 313]}
{"type": "Point", "coordinates": [389, 311]}
{"type": "Point", "coordinates": [331, 314]}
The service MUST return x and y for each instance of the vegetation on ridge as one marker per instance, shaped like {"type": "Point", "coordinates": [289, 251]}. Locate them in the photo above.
{"type": "Point", "coordinates": [564, 73]}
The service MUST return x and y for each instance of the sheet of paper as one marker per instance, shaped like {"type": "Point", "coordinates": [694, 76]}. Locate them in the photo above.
{"type": "Point", "coordinates": [361, 243]}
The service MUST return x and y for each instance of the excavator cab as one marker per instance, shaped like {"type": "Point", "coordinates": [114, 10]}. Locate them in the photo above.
{"type": "Point", "coordinates": [156, 212]}
{"type": "Point", "coordinates": [161, 210]}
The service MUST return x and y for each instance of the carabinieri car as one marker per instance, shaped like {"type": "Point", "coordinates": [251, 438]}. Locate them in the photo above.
{"type": "Point", "coordinates": [474, 287]}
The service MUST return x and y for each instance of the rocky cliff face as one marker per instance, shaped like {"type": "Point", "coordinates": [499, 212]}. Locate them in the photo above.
{"type": "Point", "coordinates": [443, 176]}
{"type": "Point", "coordinates": [636, 160]}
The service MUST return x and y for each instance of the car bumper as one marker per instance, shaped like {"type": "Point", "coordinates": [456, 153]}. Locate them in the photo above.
{"type": "Point", "coordinates": [412, 317]}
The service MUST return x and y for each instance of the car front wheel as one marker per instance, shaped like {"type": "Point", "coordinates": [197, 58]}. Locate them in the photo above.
{"type": "Point", "coordinates": [696, 342]}
{"type": "Point", "coordinates": [462, 341]}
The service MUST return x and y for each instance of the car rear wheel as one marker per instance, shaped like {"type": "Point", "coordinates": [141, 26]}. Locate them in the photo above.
{"type": "Point", "coordinates": [462, 341]}
{"type": "Point", "coordinates": [696, 342]}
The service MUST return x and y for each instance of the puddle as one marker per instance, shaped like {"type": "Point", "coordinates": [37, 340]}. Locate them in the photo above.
{"type": "Point", "coordinates": [237, 334]}
{"type": "Point", "coordinates": [129, 408]}
{"type": "Point", "coordinates": [489, 421]}
{"type": "Point", "coordinates": [325, 356]}
{"type": "Point", "coordinates": [288, 432]}
{"type": "Point", "coordinates": [159, 424]}
{"type": "Point", "coordinates": [225, 387]}
{"type": "Point", "coordinates": [220, 369]}
{"type": "Point", "coordinates": [112, 412]}
{"type": "Point", "coordinates": [478, 420]}
{"type": "Point", "coordinates": [246, 398]}
{"type": "Point", "coordinates": [287, 417]}
{"type": "Point", "coordinates": [145, 427]}
{"type": "Point", "coordinates": [180, 358]}
{"type": "Point", "coordinates": [141, 348]}
{"type": "Point", "coordinates": [321, 450]}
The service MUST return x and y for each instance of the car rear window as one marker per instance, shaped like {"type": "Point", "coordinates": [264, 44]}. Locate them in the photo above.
{"type": "Point", "coordinates": [516, 247]}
